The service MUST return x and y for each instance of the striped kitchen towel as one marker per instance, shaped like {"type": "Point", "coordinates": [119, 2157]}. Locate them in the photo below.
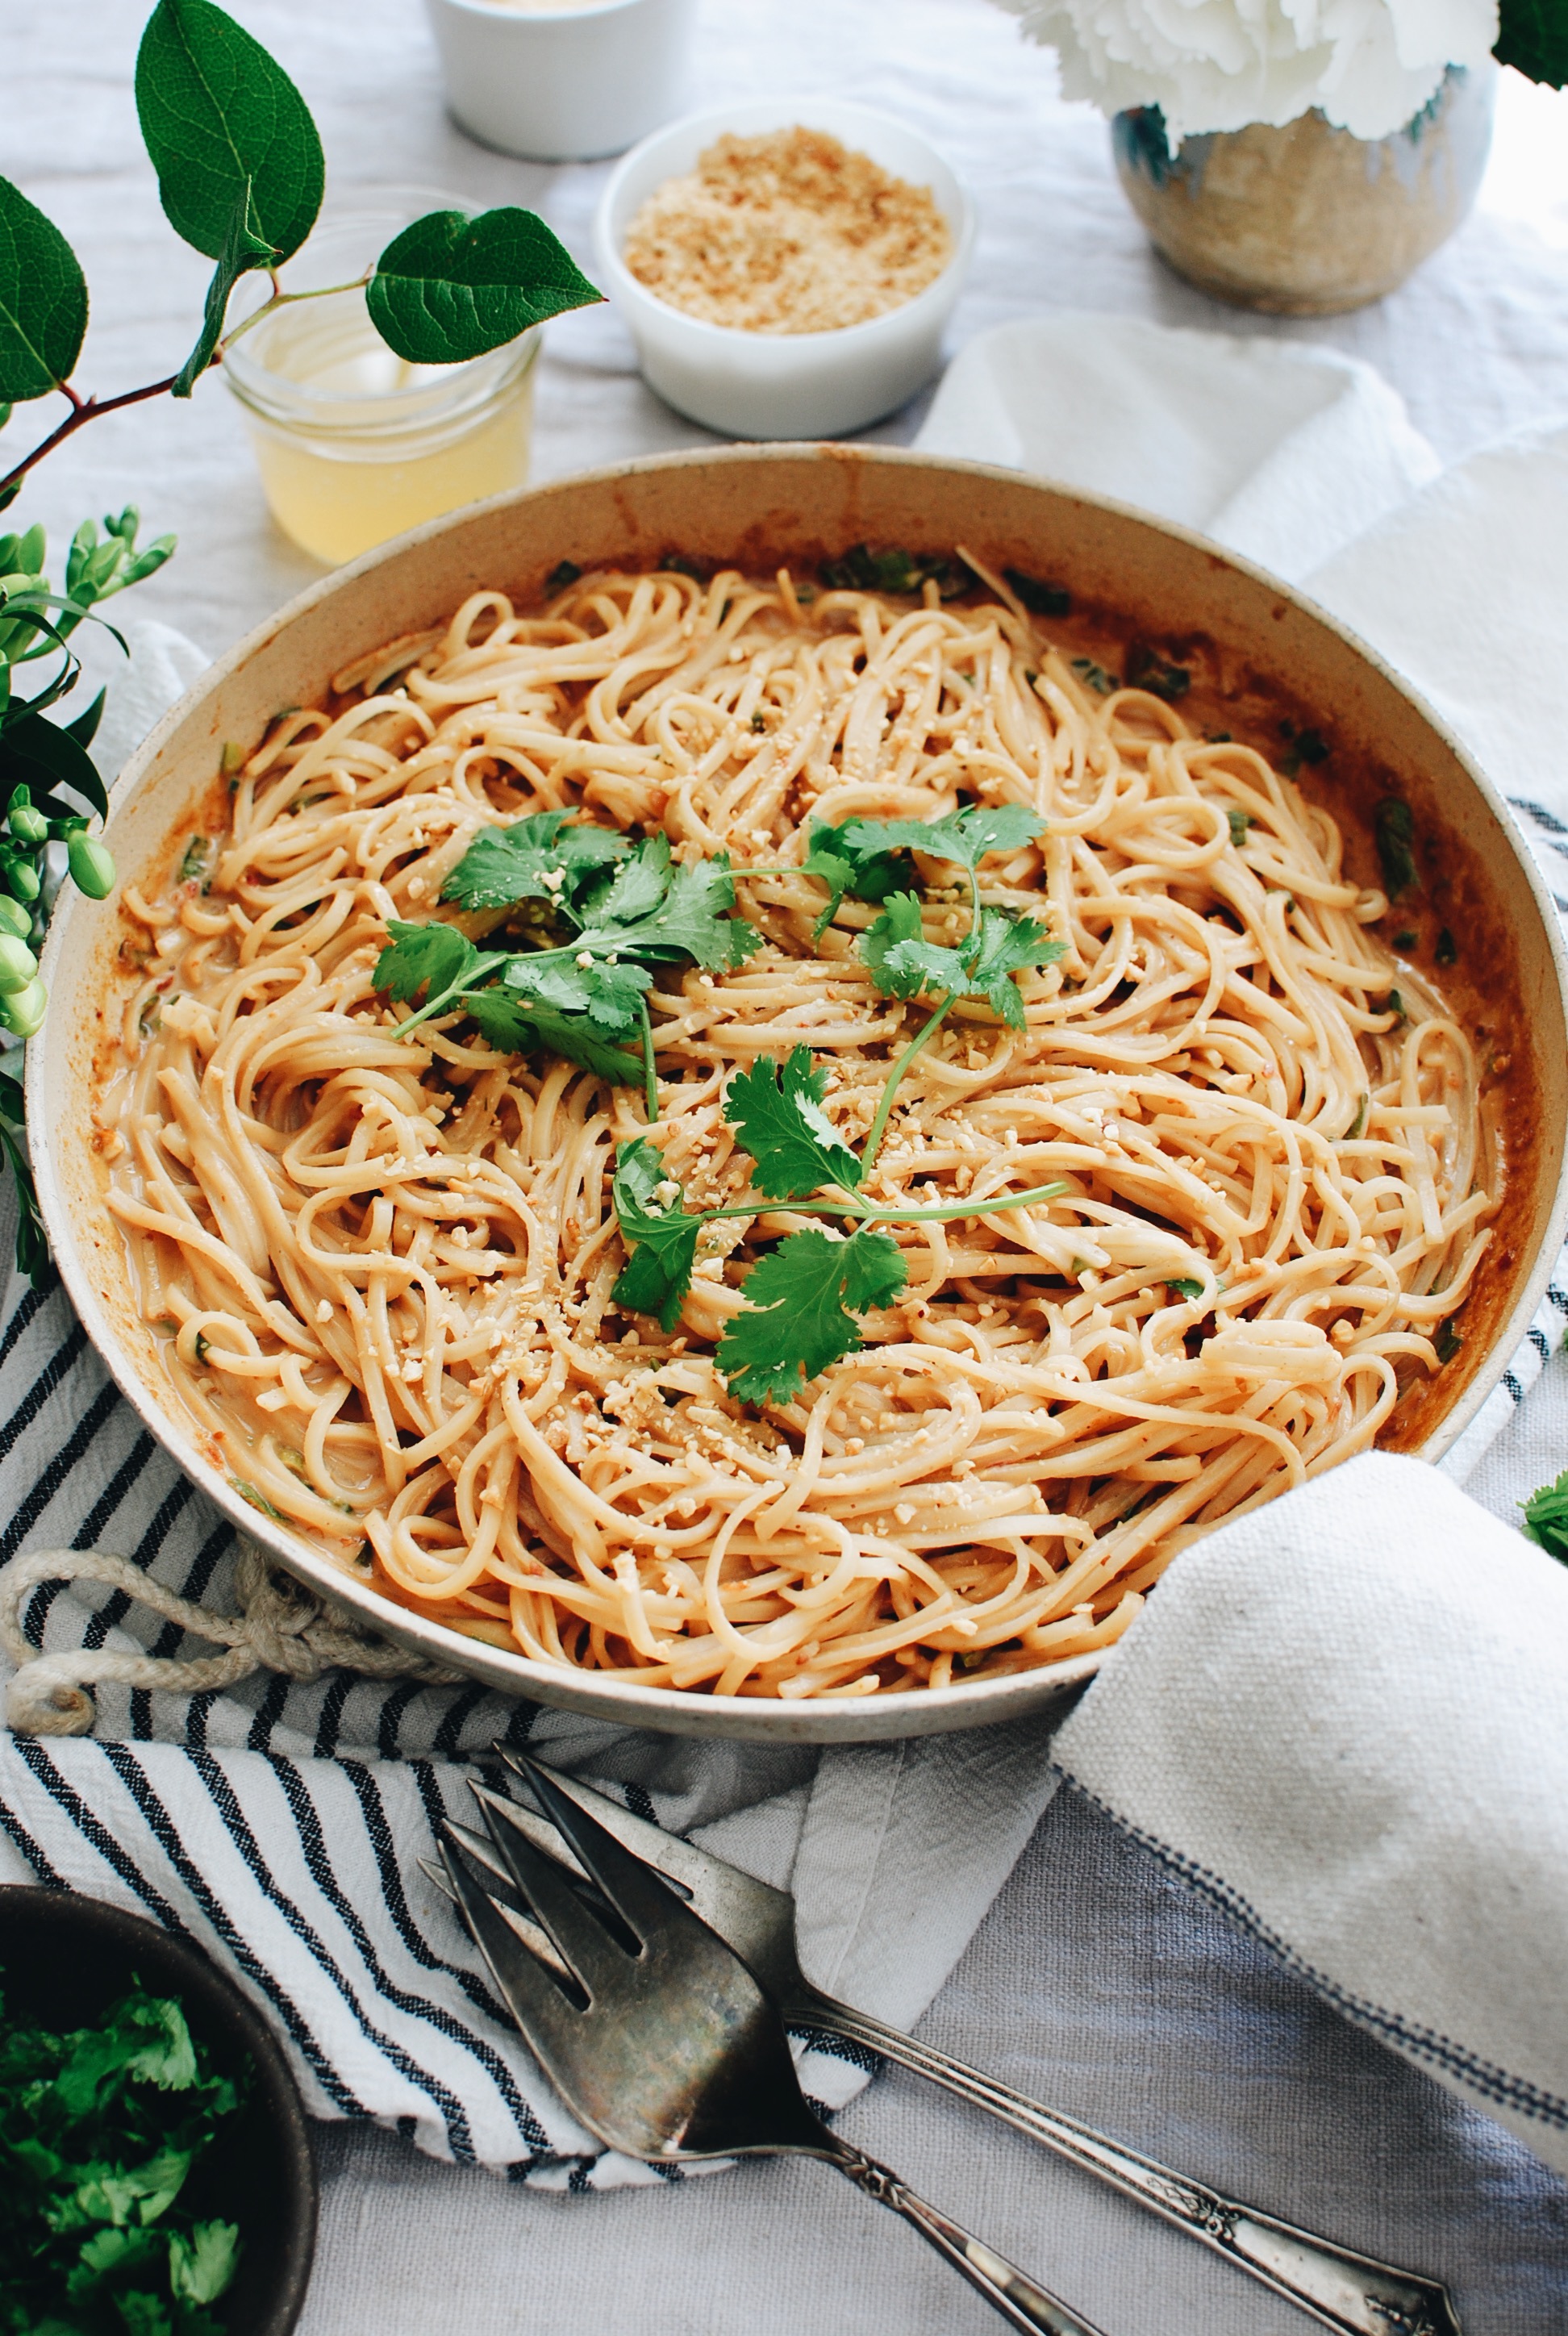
{"type": "Point", "coordinates": [280, 1822]}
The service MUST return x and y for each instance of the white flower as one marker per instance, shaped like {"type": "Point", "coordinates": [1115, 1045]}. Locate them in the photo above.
{"type": "Point", "coordinates": [1219, 64]}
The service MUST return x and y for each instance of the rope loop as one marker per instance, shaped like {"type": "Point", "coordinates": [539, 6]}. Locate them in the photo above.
{"type": "Point", "coordinates": [282, 1626]}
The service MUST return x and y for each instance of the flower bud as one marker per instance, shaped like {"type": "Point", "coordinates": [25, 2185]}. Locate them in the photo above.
{"type": "Point", "coordinates": [23, 880]}
{"type": "Point", "coordinates": [21, 1013]}
{"type": "Point", "coordinates": [27, 825]}
{"type": "Point", "coordinates": [17, 965]}
{"type": "Point", "coordinates": [15, 919]}
{"type": "Point", "coordinates": [92, 865]}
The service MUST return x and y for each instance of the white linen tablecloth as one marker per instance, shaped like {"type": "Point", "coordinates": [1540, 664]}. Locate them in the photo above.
{"type": "Point", "coordinates": [1097, 1981]}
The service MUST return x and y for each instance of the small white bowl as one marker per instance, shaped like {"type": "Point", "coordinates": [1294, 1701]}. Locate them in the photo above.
{"type": "Point", "coordinates": [783, 384]}
{"type": "Point", "coordinates": [564, 82]}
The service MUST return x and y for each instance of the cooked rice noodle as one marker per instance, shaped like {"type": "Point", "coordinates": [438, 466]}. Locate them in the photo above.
{"type": "Point", "coordinates": [383, 1267]}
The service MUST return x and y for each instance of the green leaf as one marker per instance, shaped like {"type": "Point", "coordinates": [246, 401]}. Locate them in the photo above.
{"type": "Point", "coordinates": [802, 1302]}
{"type": "Point", "coordinates": [1546, 1518]}
{"type": "Point", "coordinates": [1039, 597]}
{"type": "Point", "coordinates": [662, 912]}
{"type": "Point", "coordinates": [1533, 40]}
{"type": "Point", "coordinates": [505, 865]}
{"type": "Point", "coordinates": [777, 1109]}
{"type": "Point", "coordinates": [610, 995]}
{"type": "Point", "coordinates": [1185, 1287]}
{"type": "Point", "coordinates": [202, 2266]}
{"type": "Point", "coordinates": [111, 2253]}
{"type": "Point", "coordinates": [42, 756]}
{"type": "Point", "coordinates": [967, 836]}
{"type": "Point", "coordinates": [244, 247]}
{"type": "Point", "coordinates": [1147, 670]}
{"type": "Point", "coordinates": [43, 300]}
{"type": "Point", "coordinates": [866, 872]}
{"type": "Point", "coordinates": [217, 112]}
{"type": "Point", "coordinates": [85, 729]}
{"type": "Point", "coordinates": [523, 1029]}
{"type": "Point", "coordinates": [143, 2314]}
{"type": "Point", "coordinates": [1394, 827]}
{"type": "Point", "coordinates": [903, 962]}
{"type": "Point", "coordinates": [1008, 946]}
{"type": "Point", "coordinates": [861, 569]}
{"type": "Point", "coordinates": [659, 1237]}
{"type": "Point", "coordinates": [416, 955]}
{"type": "Point", "coordinates": [449, 287]}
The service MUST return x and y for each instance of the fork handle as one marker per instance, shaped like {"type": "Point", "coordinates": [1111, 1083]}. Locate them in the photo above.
{"type": "Point", "coordinates": [1008, 2291]}
{"type": "Point", "coordinates": [1349, 2293]}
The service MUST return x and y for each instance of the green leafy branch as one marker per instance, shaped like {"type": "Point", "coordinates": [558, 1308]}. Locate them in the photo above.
{"type": "Point", "coordinates": [240, 174]}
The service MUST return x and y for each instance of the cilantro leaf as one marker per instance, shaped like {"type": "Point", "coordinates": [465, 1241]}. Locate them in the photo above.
{"type": "Point", "coordinates": [1546, 1518]}
{"type": "Point", "coordinates": [662, 912]}
{"type": "Point", "coordinates": [846, 865]}
{"type": "Point", "coordinates": [1394, 827]}
{"type": "Point", "coordinates": [862, 570]}
{"type": "Point", "coordinates": [416, 955]}
{"type": "Point", "coordinates": [610, 995]}
{"type": "Point", "coordinates": [966, 836]}
{"type": "Point", "coordinates": [777, 1108]}
{"type": "Point", "coordinates": [1007, 946]}
{"type": "Point", "coordinates": [503, 864]}
{"type": "Point", "coordinates": [903, 962]}
{"type": "Point", "coordinates": [1185, 1286]}
{"type": "Point", "coordinates": [523, 1026]}
{"type": "Point", "coordinates": [803, 1301]}
{"type": "Point", "coordinates": [660, 1242]}
{"type": "Point", "coordinates": [202, 2266]}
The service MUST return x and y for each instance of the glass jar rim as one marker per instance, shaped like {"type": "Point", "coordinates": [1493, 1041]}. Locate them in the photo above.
{"type": "Point", "coordinates": [361, 224]}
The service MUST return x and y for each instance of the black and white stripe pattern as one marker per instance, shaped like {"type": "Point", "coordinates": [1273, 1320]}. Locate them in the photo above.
{"type": "Point", "coordinates": [281, 1823]}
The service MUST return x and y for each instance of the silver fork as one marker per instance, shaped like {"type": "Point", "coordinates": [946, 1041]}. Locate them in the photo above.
{"type": "Point", "coordinates": [660, 2041]}
{"type": "Point", "coordinates": [1352, 2294]}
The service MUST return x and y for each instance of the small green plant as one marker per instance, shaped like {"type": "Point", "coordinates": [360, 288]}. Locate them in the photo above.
{"type": "Point", "coordinates": [240, 174]}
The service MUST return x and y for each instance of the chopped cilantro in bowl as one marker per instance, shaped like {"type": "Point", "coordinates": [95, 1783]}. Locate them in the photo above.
{"type": "Point", "coordinates": [155, 2173]}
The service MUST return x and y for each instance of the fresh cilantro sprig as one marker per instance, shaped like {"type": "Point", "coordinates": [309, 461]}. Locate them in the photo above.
{"type": "Point", "coordinates": [625, 907]}
{"type": "Point", "coordinates": [868, 859]}
{"type": "Point", "coordinates": [1546, 1518]}
{"type": "Point", "coordinates": [803, 1297]}
{"type": "Point", "coordinates": [100, 2130]}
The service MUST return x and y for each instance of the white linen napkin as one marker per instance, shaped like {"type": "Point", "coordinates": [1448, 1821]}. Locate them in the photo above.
{"type": "Point", "coordinates": [1343, 1719]}
{"type": "Point", "coordinates": [1281, 450]}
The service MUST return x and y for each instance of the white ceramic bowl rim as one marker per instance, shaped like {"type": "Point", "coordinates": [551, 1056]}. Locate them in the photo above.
{"type": "Point", "coordinates": [524, 18]}
{"type": "Point", "coordinates": [717, 119]}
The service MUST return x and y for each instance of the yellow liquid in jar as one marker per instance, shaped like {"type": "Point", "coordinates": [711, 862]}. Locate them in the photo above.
{"type": "Point", "coordinates": [337, 492]}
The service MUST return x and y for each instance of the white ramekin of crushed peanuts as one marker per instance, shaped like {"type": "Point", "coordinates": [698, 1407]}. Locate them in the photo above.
{"type": "Point", "coordinates": [787, 267]}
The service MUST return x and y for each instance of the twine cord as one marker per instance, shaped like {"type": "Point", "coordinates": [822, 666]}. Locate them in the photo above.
{"type": "Point", "coordinates": [281, 1626]}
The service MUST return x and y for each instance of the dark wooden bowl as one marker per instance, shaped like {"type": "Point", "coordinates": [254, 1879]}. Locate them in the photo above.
{"type": "Point", "coordinates": [65, 1959]}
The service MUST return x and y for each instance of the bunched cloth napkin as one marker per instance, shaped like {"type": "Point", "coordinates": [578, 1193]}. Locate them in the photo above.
{"type": "Point", "coordinates": [1345, 1720]}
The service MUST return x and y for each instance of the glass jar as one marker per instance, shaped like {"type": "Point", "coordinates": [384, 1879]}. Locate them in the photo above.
{"type": "Point", "coordinates": [354, 443]}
